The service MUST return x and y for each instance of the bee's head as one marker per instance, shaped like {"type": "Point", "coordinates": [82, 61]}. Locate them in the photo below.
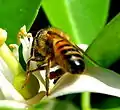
{"type": "Point", "coordinates": [42, 42]}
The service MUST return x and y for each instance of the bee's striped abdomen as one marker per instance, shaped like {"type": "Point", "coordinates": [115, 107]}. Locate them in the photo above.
{"type": "Point", "coordinates": [73, 58]}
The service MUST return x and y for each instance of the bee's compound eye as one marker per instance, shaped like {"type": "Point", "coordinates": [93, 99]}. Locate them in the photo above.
{"type": "Point", "coordinates": [77, 66]}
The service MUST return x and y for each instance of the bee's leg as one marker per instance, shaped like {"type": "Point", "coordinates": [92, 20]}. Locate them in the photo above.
{"type": "Point", "coordinates": [28, 71]}
{"type": "Point", "coordinates": [47, 76]}
{"type": "Point", "coordinates": [32, 58]}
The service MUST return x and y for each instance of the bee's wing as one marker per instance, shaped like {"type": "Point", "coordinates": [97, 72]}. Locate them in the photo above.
{"type": "Point", "coordinates": [86, 56]}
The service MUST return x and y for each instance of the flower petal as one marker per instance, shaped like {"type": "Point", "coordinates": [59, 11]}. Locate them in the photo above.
{"type": "Point", "coordinates": [26, 41]}
{"type": "Point", "coordinates": [8, 90]}
{"type": "Point", "coordinates": [95, 79]}
{"type": "Point", "coordinates": [36, 98]}
{"type": "Point", "coordinates": [12, 105]}
{"type": "Point", "coordinates": [6, 71]}
{"type": "Point", "coordinates": [1, 95]}
{"type": "Point", "coordinates": [3, 36]}
{"type": "Point", "coordinates": [83, 46]}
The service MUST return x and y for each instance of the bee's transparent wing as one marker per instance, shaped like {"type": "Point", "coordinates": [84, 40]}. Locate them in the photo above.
{"type": "Point", "coordinates": [86, 56]}
{"type": "Point", "coordinates": [94, 79]}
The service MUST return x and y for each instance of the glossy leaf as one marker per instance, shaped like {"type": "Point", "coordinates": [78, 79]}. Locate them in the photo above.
{"type": "Point", "coordinates": [105, 49]}
{"type": "Point", "coordinates": [16, 13]}
{"type": "Point", "coordinates": [81, 19]}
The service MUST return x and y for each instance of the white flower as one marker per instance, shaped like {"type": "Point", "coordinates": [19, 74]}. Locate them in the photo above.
{"type": "Point", "coordinates": [7, 92]}
{"type": "Point", "coordinates": [12, 76]}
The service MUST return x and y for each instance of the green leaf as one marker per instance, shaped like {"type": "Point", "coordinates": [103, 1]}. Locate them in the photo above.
{"type": "Point", "coordinates": [105, 50]}
{"type": "Point", "coordinates": [110, 103]}
{"type": "Point", "coordinates": [16, 13]}
{"type": "Point", "coordinates": [82, 19]}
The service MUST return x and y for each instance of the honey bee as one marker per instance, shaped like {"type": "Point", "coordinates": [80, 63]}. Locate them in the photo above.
{"type": "Point", "coordinates": [52, 47]}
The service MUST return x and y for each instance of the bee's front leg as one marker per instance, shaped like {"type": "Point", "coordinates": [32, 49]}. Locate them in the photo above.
{"type": "Point", "coordinates": [47, 76]}
{"type": "Point", "coordinates": [28, 71]}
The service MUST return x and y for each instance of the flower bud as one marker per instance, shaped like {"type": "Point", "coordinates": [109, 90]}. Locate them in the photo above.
{"type": "Point", "coordinates": [3, 36]}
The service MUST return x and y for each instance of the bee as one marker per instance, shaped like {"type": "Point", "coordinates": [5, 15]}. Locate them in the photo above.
{"type": "Point", "coordinates": [52, 47]}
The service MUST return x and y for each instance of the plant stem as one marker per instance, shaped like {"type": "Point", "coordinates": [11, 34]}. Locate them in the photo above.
{"type": "Point", "coordinates": [85, 101]}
